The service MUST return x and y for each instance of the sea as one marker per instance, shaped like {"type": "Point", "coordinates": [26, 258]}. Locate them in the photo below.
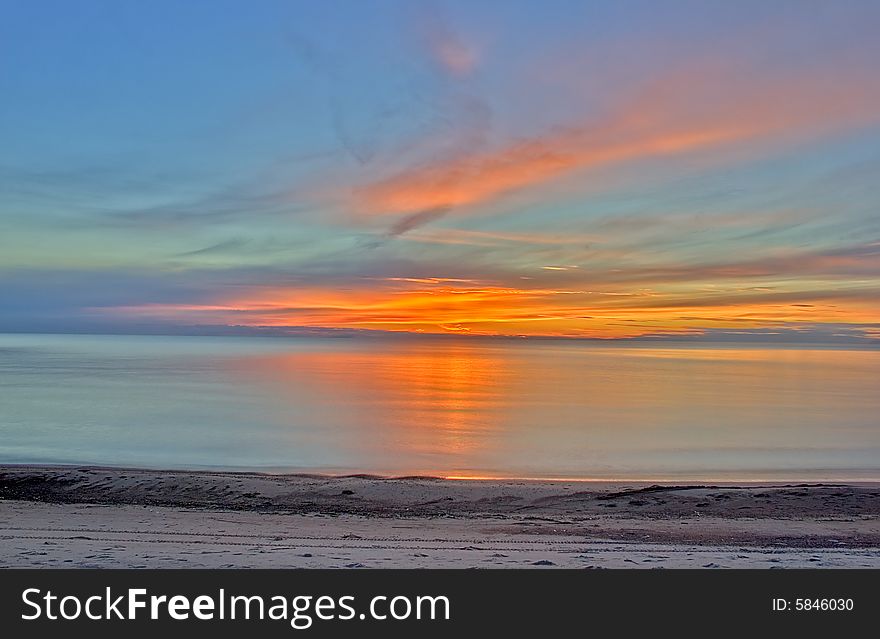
{"type": "Point", "coordinates": [453, 407]}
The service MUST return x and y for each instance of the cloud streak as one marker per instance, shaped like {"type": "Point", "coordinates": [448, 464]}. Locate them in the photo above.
{"type": "Point", "coordinates": [707, 108]}
{"type": "Point", "coordinates": [491, 310]}
{"type": "Point", "coordinates": [446, 48]}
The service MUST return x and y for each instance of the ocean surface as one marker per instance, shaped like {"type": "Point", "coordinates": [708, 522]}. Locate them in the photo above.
{"type": "Point", "coordinates": [450, 407]}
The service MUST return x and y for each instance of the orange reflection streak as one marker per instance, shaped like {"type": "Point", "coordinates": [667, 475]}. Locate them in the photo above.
{"type": "Point", "coordinates": [435, 402]}
{"type": "Point", "coordinates": [468, 408]}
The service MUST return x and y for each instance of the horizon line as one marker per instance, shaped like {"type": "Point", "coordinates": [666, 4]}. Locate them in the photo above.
{"type": "Point", "coordinates": [789, 338]}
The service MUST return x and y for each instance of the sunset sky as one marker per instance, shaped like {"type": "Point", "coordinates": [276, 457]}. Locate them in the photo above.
{"type": "Point", "coordinates": [581, 169]}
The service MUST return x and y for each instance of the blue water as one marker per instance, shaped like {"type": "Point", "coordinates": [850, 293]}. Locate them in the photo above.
{"type": "Point", "coordinates": [449, 407]}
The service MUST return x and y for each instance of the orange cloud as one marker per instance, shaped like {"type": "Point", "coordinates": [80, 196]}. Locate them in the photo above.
{"type": "Point", "coordinates": [438, 305]}
{"type": "Point", "coordinates": [684, 112]}
{"type": "Point", "coordinates": [475, 179]}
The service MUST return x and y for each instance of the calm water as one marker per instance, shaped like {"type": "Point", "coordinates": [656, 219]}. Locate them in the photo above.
{"type": "Point", "coordinates": [474, 408]}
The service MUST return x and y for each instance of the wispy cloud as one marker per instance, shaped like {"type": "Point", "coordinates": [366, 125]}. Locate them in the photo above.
{"type": "Point", "coordinates": [469, 237]}
{"type": "Point", "coordinates": [708, 107]}
{"type": "Point", "coordinates": [444, 44]}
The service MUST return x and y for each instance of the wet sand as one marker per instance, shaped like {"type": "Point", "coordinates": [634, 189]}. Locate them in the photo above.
{"type": "Point", "coordinates": [98, 517]}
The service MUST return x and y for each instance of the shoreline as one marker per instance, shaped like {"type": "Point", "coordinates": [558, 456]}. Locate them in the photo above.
{"type": "Point", "coordinates": [730, 479]}
{"type": "Point", "coordinates": [110, 517]}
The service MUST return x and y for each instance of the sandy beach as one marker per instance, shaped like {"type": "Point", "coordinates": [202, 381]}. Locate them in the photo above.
{"type": "Point", "coordinates": [114, 518]}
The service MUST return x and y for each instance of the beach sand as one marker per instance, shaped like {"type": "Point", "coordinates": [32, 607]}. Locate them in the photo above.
{"type": "Point", "coordinates": [115, 518]}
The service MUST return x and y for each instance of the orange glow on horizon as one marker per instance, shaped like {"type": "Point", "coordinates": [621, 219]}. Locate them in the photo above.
{"type": "Point", "coordinates": [447, 305]}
